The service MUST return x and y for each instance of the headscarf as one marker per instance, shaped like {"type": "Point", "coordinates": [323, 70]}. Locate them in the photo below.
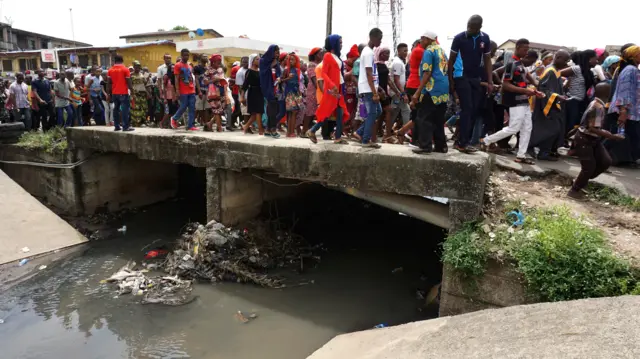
{"type": "Point", "coordinates": [314, 51]}
{"type": "Point", "coordinates": [296, 65]}
{"type": "Point", "coordinates": [599, 51]}
{"type": "Point", "coordinates": [252, 57]}
{"type": "Point", "coordinates": [136, 62]}
{"type": "Point", "coordinates": [610, 60]}
{"type": "Point", "coordinates": [631, 53]}
{"type": "Point", "coordinates": [236, 63]}
{"type": "Point", "coordinates": [266, 77]}
{"type": "Point", "coordinates": [378, 51]}
{"type": "Point", "coordinates": [333, 44]}
{"type": "Point", "coordinates": [547, 55]}
{"type": "Point", "coordinates": [215, 57]}
{"type": "Point", "coordinates": [283, 55]}
{"type": "Point", "coordinates": [353, 52]}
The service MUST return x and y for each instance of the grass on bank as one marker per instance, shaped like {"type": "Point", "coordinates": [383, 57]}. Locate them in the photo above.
{"type": "Point", "coordinates": [613, 196]}
{"type": "Point", "coordinates": [52, 141]}
{"type": "Point", "coordinates": [560, 255]}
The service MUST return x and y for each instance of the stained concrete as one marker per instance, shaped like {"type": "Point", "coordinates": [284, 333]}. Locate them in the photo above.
{"type": "Point", "coordinates": [393, 168]}
{"type": "Point", "coordinates": [25, 222]}
{"type": "Point", "coordinates": [590, 328]}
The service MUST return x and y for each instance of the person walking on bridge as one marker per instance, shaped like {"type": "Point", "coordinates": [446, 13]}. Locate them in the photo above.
{"type": "Point", "coordinates": [119, 85]}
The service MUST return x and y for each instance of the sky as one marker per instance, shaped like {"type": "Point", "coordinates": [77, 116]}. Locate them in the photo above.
{"type": "Point", "coordinates": [574, 26]}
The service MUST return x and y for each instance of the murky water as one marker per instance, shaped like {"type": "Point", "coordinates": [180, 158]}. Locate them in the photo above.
{"type": "Point", "coordinates": [65, 312]}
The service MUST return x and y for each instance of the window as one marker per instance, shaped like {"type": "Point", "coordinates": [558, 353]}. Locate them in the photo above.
{"type": "Point", "coordinates": [7, 65]}
{"type": "Point", "coordinates": [64, 60]}
{"type": "Point", "coordinates": [44, 44]}
{"type": "Point", "coordinates": [105, 60]}
{"type": "Point", "coordinates": [32, 44]}
{"type": "Point", "coordinates": [83, 61]}
{"type": "Point", "coordinates": [22, 63]}
{"type": "Point", "coordinates": [47, 65]}
{"type": "Point", "coordinates": [94, 60]}
{"type": "Point", "coordinates": [27, 64]}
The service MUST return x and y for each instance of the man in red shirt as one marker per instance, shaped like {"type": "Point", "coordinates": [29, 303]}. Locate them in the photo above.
{"type": "Point", "coordinates": [413, 82]}
{"type": "Point", "coordinates": [187, 90]}
{"type": "Point", "coordinates": [118, 85]}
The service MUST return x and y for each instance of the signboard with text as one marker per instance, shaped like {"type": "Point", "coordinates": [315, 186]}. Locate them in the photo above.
{"type": "Point", "coordinates": [48, 55]}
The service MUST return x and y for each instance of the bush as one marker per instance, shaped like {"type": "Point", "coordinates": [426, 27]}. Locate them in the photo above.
{"type": "Point", "coordinates": [465, 251]}
{"type": "Point", "coordinates": [560, 255]}
{"type": "Point", "coordinates": [613, 196]}
{"type": "Point", "coordinates": [52, 141]}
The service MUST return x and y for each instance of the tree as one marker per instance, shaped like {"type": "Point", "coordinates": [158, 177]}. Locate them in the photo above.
{"type": "Point", "coordinates": [180, 27]}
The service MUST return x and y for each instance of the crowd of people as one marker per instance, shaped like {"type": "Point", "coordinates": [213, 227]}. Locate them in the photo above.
{"type": "Point", "coordinates": [586, 101]}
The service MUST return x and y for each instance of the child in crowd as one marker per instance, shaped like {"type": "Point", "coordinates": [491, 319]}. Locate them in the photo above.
{"type": "Point", "coordinates": [594, 158]}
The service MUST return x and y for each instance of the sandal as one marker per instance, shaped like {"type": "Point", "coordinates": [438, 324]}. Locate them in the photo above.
{"type": "Point", "coordinates": [526, 161]}
{"type": "Point", "coordinates": [341, 141]}
{"type": "Point", "coordinates": [390, 140]}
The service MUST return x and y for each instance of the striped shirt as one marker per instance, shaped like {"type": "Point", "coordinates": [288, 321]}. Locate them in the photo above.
{"type": "Point", "coordinates": [577, 88]}
{"type": "Point", "coordinates": [20, 91]}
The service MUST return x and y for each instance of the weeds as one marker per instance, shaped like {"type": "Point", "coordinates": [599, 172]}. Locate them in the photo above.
{"type": "Point", "coordinates": [52, 141]}
{"type": "Point", "coordinates": [560, 255]}
{"type": "Point", "coordinates": [613, 196]}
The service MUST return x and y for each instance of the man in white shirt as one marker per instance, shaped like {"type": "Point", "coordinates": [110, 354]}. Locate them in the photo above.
{"type": "Point", "coordinates": [368, 88]}
{"type": "Point", "coordinates": [162, 70]}
{"type": "Point", "coordinates": [240, 77]}
{"type": "Point", "coordinates": [398, 77]}
{"type": "Point", "coordinates": [19, 97]}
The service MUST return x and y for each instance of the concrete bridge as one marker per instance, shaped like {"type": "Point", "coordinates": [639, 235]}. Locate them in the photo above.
{"type": "Point", "coordinates": [242, 171]}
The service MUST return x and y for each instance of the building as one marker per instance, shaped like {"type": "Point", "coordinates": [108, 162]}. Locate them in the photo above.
{"type": "Point", "coordinates": [173, 35]}
{"type": "Point", "coordinates": [20, 40]}
{"type": "Point", "coordinates": [510, 45]}
{"type": "Point", "coordinates": [150, 54]}
{"type": "Point", "coordinates": [613, 49]}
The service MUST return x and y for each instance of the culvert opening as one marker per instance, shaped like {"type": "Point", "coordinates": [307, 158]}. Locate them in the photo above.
{"type": "Point", "coordinates": [375, 257]}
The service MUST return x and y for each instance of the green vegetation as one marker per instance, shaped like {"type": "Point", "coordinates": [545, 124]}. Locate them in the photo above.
{"type": "Point", "coordinates": [613, 196]}
{"type": "Point", "coordinates": [52, 141]}
{"type": "Point", "coordinates": [560, 255]}
{"type": "Point", "coordinates": [179, 27]}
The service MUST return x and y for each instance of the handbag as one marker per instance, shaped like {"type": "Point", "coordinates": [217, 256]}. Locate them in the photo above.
{"type": "Point", "coordinates": [213, 93]}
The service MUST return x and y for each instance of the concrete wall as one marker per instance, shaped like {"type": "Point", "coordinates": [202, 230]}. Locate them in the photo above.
{"type": "Point", "coordinates": [104, 182]}
{"type": "Point", "coordinates": [500, 286]}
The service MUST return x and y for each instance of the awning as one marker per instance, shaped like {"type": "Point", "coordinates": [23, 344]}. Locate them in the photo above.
{"type": "Point", "coordinates": [236, 47]}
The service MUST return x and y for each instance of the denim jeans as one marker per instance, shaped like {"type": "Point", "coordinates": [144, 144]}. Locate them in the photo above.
{"type": "Point", "coordinates": [26, 112]}
{"type": "Point", "coordinates": [373, 111]}
{"type": "Point", "coordinates": [478, 129]}
{"type": "Point", "coordinates": [121, 103]}
{"type": "Point", "coordinates": [471, 94]}
{"type": "Point", "coordinates": [70, 116]}
{"type": "Point", "coordinates": [190, 102]}
{"type": "Point", "coordinates": [339, 123]}
{"type": "Point", "coordinates": [98, 110]}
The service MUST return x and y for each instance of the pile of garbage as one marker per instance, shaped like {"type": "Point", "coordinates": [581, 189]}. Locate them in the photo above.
{"type": "Point", "coordinates": [153, 290]}
{"type": "Point", "coordinates": [217, 253]}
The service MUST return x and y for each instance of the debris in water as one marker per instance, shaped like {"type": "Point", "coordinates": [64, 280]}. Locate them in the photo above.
{"type": "Point", "coordinates": [379, 326]}
{"type": "Point", "coordinates": [154, 290]}
{"type": "Point", "coordinates": [519, 218]}
{"type": "Point", "coordinates": [244, 319]}
{"type": "Point", "coordinates": [23, 262]}
{"type": "Point", "coordinates": [123, 230]}
{"type": "Point", "coordinates": [397, 270]}
{"type": "Point", "coordinates": [1, 321]}
{"type": "Point", "coordinates": [155, 253]}
{"type": "Point", "coordinates": [26, 250]}
{"type": "Point", "coordinates": [218, 253]}
{"type": "Point", "coordinates": [524, 179]}
{"type": "Point", "coordinates": [42, 267]}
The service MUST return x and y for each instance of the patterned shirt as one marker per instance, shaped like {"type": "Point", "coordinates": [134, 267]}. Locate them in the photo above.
{"type": "Point", "coordinates": [435, 62]}
{"type": "Point", "coordinates": [20, 91]}
{"type": "Point", "coordinates": [515, 73]}
{"type": "Point", "coordinates": [595, 112]}
{"type": "Point", "coordinates": [627, 93]}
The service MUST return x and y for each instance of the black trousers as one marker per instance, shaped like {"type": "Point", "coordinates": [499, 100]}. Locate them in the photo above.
{"type": "Point", "coordinates": [470, 94]}
{"type": "Point", "coordinates": [414, 113]}
{"type": "Point", "coordinates": [273, 108]}
{"type": "Point", "coordinates": [328, 127]}
{"type": "Point", "coordinates": [237, 112]}
{"type": "Point", "coordinates": [594, 159]}
{"type": "Point", "coordinates": [45, 117]}
{"type": "Point", "coordinates": [430, 125]}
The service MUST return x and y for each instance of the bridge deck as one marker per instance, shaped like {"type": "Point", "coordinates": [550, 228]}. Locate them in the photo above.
{"type": "Point", "coordinates": [393, 168]}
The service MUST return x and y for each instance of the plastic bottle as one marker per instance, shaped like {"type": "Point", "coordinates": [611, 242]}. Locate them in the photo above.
{"type": "Point", "coordinates": [23, 262]}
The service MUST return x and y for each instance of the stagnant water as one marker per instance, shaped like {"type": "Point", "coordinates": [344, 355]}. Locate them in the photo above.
{"type": "Point", "coordinates": [64, 312]}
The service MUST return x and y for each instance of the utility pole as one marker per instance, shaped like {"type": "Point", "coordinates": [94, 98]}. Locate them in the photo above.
{"type": "Point", "coordinates": [73, 33]}
{"type": "Point", "coordinates": [329, 16]}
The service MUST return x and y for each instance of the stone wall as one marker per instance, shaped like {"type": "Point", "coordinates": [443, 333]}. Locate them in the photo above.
{"type": "Point", "coordinates": [500, 286]}
{"type": "Point", "coordinates": [104, 182]}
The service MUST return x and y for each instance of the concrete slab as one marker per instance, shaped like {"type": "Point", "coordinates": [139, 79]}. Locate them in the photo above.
{"type": "Point", "coordinates": [392, 168]}
{"type": "Point", "coordinates": [25, 222]}
{"type": "Point", "coordinates": [591, 328]}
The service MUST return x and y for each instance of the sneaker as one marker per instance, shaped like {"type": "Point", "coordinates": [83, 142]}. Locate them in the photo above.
{"type": "Point", "coordinates": [547, 157]}
{"type": "Point", "coordinates": [421, 151]}
{"type": "Point", "coordinates": [312, 137]}
{"type": "Point", "coordinates": [174, 124]}
{"type": "Point", "coordinates": [275, 135]}
{"type": "Point", "coordinates": [461, 149]}
{"type": "Point", "coordinates": [577, 195]}
{"type": "Point", "coordinates": [192, 129]}
{"type": "Point", "coordinates": [115, 129]}
{"type": "Point", "coordinates": [130, 129]}
{"type": "Point", "coordinates": [411, 145]}
{"type": "Point", "coordinates": [372, 145]}
{"type": "Point", "coordinates": [267, 134]}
